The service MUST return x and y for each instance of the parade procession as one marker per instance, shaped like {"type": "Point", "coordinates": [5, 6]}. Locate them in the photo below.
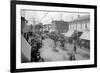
{"type": "Point", "coordinates": [48, 36]}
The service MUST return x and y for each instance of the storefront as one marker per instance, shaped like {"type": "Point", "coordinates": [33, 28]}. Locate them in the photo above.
{"type": "Point", "coordinates": [85, 39]}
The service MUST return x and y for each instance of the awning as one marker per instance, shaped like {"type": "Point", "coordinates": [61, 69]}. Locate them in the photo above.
{"type": "Point", "coordinates": [85, 35]}
{"type": "Point", "coordinates": [69, 33]}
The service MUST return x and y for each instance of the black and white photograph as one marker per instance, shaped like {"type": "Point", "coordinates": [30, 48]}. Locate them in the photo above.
{"type": "Point", "coordinates": [48, 36]}
{"type": "Point", "coordinates": [52, 36]}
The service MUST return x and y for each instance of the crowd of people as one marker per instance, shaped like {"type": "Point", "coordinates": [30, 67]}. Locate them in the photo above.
{"type": "Point", "coordinates": [52, 46]}
{"type": "Point", "coordinates": [48, 46]}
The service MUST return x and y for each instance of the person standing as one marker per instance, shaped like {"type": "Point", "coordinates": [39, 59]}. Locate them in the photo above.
{"type": "Point", "coordinates": [75, 49]}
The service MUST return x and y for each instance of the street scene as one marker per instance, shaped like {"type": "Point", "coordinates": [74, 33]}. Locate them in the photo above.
{"type": "Point", "coordinates": [49, 36]}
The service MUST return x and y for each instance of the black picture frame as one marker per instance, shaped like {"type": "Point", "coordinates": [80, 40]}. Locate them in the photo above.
{"type": "Point", "coordinates": [13, 35]}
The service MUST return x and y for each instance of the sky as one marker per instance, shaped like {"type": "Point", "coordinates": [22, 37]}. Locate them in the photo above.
{"type": "Point", "coordinates": [46, 17]}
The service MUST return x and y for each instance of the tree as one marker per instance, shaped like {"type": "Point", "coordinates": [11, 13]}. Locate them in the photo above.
{"type": "Point", "coordinates": [38, 27]}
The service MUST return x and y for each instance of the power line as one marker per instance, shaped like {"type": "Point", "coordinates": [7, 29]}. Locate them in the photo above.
{"type": "Point", "coordinates": [44, 16]}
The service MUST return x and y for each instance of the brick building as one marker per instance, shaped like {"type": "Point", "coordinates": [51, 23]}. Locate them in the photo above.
{"type": "Point", "coordinates": [60, 26]}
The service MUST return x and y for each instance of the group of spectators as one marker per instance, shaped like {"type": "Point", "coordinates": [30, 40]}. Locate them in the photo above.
{"type": "Point", "coordinates": [35, 40]}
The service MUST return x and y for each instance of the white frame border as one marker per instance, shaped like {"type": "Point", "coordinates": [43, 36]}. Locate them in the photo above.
{"type": "Point", "coordinates": [20, 65]}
